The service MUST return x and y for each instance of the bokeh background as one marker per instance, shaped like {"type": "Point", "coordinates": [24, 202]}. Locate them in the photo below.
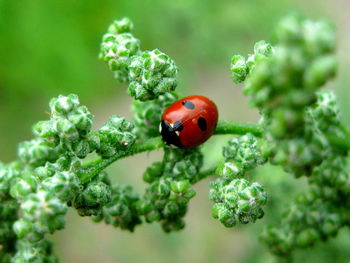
{"type": "Point", "coordinates": [50, 47]}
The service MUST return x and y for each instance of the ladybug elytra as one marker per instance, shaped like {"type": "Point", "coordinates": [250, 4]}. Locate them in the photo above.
{"type": "Point", "coordinates": [189, 122]}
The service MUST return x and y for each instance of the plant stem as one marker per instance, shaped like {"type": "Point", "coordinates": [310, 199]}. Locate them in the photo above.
{"type": "Point", "coordinates": [99, 164]}
{"type": "Point", "coordinates": [239, 128]}
{"type": "Point", "coordinates": [93, 167]}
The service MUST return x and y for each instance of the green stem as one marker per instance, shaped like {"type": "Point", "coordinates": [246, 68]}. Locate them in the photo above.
{"type": "Point", "coordinates": [239, 128]}
{"type": "Point", "coordinates": [93, 167]}
{"type": "Point", "coordinates": [99, 164]}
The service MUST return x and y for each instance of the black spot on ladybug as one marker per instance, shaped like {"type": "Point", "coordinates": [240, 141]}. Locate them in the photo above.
{"type": "Point", "coordinates": [178, 126]}
{"type": "Point", "coordinates": [169, 134]}
{"type": "Point", "coordinates": [189, 105]}
{"type": "Point", "coordinates": [202, 124]}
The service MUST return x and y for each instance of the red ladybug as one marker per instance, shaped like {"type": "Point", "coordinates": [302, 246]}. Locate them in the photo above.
{"type": "Point", "coordinates": [189, 122]}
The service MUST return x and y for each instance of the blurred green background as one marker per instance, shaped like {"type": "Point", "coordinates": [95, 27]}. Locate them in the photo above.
{"type": "Point", "coordinates": [50, 47]}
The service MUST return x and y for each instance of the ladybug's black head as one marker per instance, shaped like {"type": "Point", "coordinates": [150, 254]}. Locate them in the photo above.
{"type": "Point", "coordinates": [170, 132]}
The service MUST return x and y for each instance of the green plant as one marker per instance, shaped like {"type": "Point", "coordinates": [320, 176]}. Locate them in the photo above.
{"type": "Point", "coordinates": [300, 130]}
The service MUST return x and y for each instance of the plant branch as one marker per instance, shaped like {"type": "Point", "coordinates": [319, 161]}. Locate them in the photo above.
{"type": "Point", "coordinates": [239, 128]}
{"type": "Point", "coordinates": [93, 167]}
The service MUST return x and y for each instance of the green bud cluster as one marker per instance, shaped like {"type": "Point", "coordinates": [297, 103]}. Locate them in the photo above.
{"type": "Point", "coordinates": [36, 152]}
{"type": "Point", "coordinates": [316, 215]}
{"type": "Point", "coordinates": [152, 79]}
{"type": "Point", "coordinates": [319, 213]}
{"type": "Point", "coordinates": [94, 196]}
{"type": "Point", "coordinates": [166, 200]}
{"type": "Point", "coordinates": [47, 178]}
{"type": "Point", "coordinates": [32, 253]}
{"type": "Point", "coordinates": [182, 164]}
{"type": "Point", "coordinates": [283, 84]}
{"type": "Point", "coordinates": [151, 74]}
{"type": "Point", "coordinates": [42, 193]}
{"type": "Point", "coordinates": [148, 73]}
{"type": "Point", "coordinates": [121, 210]}
{"type": "Point", "coordinates": [309, 219]}
{"type": "Point", "coordinates": [68, 128]}
{"type": "Point", "coordinates": [114, 136]}
{"type": "Point", "coordinates": [148, 114]}
{"type": "Point", "coordinates": [332, 179]}
{"type": "Point", "coordinates": [323, 117]}
{"type": "Point", "coordinates": [242, 67]}
{"type": "Point", "coordinates": [23, 185]}
{"type": "Point", "coordinates": [241, 154]}
{"type": "Point", "coordinates": [123, 25]}
{"type": "Point", "coordinates": [64, 184]}
{"type": "Point", "coordinates": [7, 175]}
{"type": "Point", "coordinates": [8, 212]}
{"type": "Point", "coordinates": [237, 200]}
{"type": "Point", "coordinates": [118, 46]}
{"type": "Point", "coordinates": [41, 212]}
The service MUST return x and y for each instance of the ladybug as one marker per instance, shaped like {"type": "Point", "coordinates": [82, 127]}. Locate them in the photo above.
{"type": "Point", "coordinates": [189, 122]}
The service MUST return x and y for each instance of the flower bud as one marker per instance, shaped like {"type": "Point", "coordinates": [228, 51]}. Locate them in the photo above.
{"type": "Point", "coordinates": [66, 130]}
{"type": "Point", "coordinates": [45, 130]}
{"type": "Point", "coordinates": [238, 68]}
{"type": "Point", "coordinates": [22, 228]}
{"type": "Point", "coordinates": [118, 48]}
{"type": "Point", "coordinates": [263, 48]}
{"type": "Point", "coordinates": [123, 25]}
{"type": "Point", "coordinates": [152, 73]}
{"type": "Point", "coordinates": [7, 176]}
{"type": "Point", "coordinates": [82, 148]}
{"type": "Point", "coordinates": [224, 215]}
{"type": "Point", "coordinates": [320, 71]}
{"type": "Point", "coordinates": [153, 172]}
{"type": "Point", "coordinates": [64, 184]}
{"type": "Point", "coordinates": [229, 170]}
{"type": "Point", "coordinates": [307, 238]}
{"type": "Point", "coordinates": [62, 105]}
{"type": "Point", "coordinates": [96, 193]}
{"type": "Point", "coordinates": [82, 119]}
{"type": "Point", "coordinates": [36, 152]}
{"type": "Point", "coordinates": [23, 186]}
